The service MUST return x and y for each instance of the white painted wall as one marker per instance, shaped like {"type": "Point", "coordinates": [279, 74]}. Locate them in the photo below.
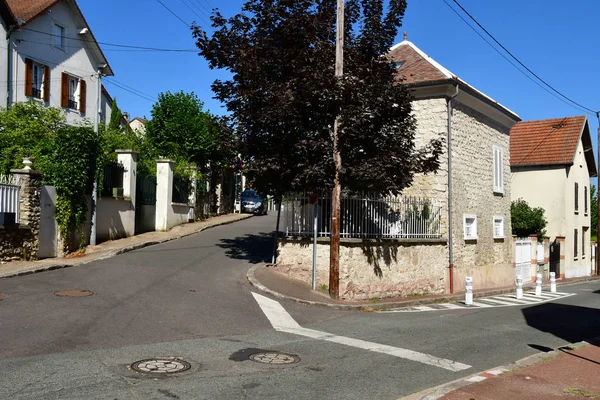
{"type": "Point", "coordinates": [3, 64]}
{"type": "Point", "coordinates": [115, 219]}
{"type": "Point", "coordinates": [168, 214]}
{"type": "Point", "coordinates": [76, 59]}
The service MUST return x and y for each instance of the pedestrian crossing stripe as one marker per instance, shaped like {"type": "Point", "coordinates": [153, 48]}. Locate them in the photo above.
{"type": "Point", "coordinates": [509, 300]}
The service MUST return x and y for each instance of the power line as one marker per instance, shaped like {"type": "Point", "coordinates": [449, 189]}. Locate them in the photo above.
{"type": "Point", "coordinates": [115, 44]}
{"type": "Point", "coordinates": [197, 8]}
{"type": "Point", "coordinates": [203, 6]}
{"type": "Point", "coordinates": [176, 16]}
{"type": "Point", "coordinates": [131, 91]}
{"type": "Point", "coordinates": [519, 61]}
{"type": "Point", "coordinates": [511, 62]}
{"type": "Point", "coordinates": [113, 80]}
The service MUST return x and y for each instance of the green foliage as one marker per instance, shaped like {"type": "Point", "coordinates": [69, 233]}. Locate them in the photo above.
{"type": "Point", "coordinates": [70, 167]}
{"type": "Point", "coordinates": [115, 116]}
{"type": "Point", "coordinates": [284, 98]}
{"type": "Point", "coordinates": [594, 211]}
{"type": "Point", "coordinates": [26, 130]}
{"type": "Point", "coordinates": [527, 221]}
{"type": "Point", "coordinates": [179, 128]}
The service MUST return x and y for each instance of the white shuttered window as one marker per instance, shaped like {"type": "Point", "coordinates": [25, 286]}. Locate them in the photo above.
{"type": "Point", "coordinates": [498, 169]}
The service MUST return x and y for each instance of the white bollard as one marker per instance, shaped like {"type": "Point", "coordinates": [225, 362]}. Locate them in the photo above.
{"type": "Point", "coordinates": [519, 287]}
{"type": "Point", "coordinates": [553, 282]}
{"type": "Point", "coordinates": [538, 285]}
{"type": "Point", "coordinates": [469, 291]}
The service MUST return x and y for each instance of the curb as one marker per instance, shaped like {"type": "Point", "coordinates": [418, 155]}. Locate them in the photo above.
{"type": "Point", "coordinates": [440, 391]}
{"type": "Point", "coordinates": [383, 305]}
{"type": "Point", "coordinates": [117, 252]}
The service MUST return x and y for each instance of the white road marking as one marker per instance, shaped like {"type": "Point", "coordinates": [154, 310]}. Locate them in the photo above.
{"type": "Point", "coordinates": [503, 303]}
{"type": "Point", "coordinates": [450, 306]}
{"type": "Point", "coordinates": [475, 379]}
{"type": "Point", "coordinates": [481, 305]}
{"type": "Point", "coordinates": [423, 308]}
{"type": "Point", "coordinates": [283, 322]}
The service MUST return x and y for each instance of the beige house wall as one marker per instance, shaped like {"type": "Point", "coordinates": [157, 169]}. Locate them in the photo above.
{"type": "Point", "coordinates": [553, 189]}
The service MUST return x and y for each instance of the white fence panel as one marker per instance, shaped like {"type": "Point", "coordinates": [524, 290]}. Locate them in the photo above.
{"type": "Point", "coordinates": [9, 202]}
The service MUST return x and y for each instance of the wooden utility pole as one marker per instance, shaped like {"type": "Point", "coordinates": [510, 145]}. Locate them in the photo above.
{"type": "Point", "coordinates": [598, 202]}
{"type": "Point", "coordinates": [334, 259]}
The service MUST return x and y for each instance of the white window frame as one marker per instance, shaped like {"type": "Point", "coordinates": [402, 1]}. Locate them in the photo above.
{"type": "Point", "coordinates": [498, 169]}
{"type": "Point", "coordinates": [58, 40]}
{"type": "Point", "coordinates": [39, 83]}
{"type": "Point", "coordinates": [473, 235]}
{"type": "Point", "coordinates": [501, 219]}
{"type": "Point", "coordinates": [75, 96]}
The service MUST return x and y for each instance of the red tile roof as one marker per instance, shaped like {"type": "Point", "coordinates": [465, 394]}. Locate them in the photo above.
{"type": "Point", "coordinates": [29, 9]}
{"type": "Point", "coordinates": [550, 142]}
{"type": "Point", "coordinates": [415, 68]}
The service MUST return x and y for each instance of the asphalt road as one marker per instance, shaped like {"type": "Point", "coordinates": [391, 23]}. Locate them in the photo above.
{"type": "Point", "coordinates": [188, 298]}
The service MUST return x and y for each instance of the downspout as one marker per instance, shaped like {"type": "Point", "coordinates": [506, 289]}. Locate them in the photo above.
{"type": "Point", "coordinates": [450, 233]}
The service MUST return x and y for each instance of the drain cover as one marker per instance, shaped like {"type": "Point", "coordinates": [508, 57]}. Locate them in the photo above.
{"type": "Point", "coordinates": [162, 365]}
{"type": "Point", "coordinates": [73, 293]}
{"type": "Point", "coordinates": [273, 357]}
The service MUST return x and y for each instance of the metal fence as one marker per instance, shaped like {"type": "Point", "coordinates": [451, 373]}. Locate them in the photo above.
{"type": "Point", "coordinates": [181, 189]}
{"type": "Point", "coordinates": [112, 180]}
{"type": "Point", "coordinates": [365, 216]}
{"type": "Point", "coordinates": [9, 204]}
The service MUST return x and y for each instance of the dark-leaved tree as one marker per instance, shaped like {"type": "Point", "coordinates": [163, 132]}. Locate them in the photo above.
{"type": "Point", "coordinates": [526, 220]}
{"type": "Point", "coordinates": [283, 95]}
{"type": "Point", "coordinates": [115, 116]}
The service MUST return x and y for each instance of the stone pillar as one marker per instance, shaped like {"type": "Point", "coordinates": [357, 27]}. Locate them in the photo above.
{"type": "Point", "coordinates": [533, 269]}
{"type": "Point", "coordinates": [128, 158]}
{"type": "Point", "coordinates": [164, 193]}
{"type": "Point", "coordinates": [563, 250]}
{"type": "Point", "coordinates": [30, 193]}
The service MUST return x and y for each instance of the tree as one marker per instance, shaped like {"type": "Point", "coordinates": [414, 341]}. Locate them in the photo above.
{"type": "Point", "coordinates": [284, 98]}
{"type": "Point", "coordinates": [115, 116]}
{"type": "Point", "coordinates": [179, 128]}
{"type": "Point", "coordinates": [527, 221]}
{"type": "Point", "coordinates": [594, 212]}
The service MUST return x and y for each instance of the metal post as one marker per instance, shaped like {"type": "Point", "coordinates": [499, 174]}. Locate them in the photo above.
{"type": "Point", "coordinates": [469, 291]}
{"type": "Point", "coordinates": [276, 235]}
{"type": "Point", "coordinates": [314, 271]}
{"type": "Point", "coordinates": [334, 262]}
{"type": "Point", "coordinates": [519, 287]}
{"type": "Point", "coordinates": [598, 194]}
{"type": "Point", "coordinates": [538, 285]}
{"type": "Point", "coordinates": [552, 282]}
{"type": "Point", "coordinates": [95, 189]}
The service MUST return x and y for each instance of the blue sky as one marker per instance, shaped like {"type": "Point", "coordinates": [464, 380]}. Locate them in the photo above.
{"type": "Point", "coordinates": [554, 38]}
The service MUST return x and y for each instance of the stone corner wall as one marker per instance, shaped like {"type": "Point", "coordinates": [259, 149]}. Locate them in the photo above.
{"type": "Point", "coordinates": [370, 269]}
{"type": "Point", "coordinates": [22, 241]}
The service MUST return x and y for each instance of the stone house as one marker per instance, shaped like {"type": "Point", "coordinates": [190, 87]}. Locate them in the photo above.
{"type": "Point", "coordinates": [551, 163]}
{"type": "Point", "coordinates": [472, 185]}
{"type": "Point", "coordinates": [52, 57]}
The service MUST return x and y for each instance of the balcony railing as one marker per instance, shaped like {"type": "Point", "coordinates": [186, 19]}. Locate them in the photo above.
{"type": "Point", "coordinates": [72, 103]}
{"type": "Point", "coordinates": [36, 92]}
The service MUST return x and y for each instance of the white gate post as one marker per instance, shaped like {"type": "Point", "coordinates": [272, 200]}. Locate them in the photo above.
{"type": "Point", "coordinates": [519, 286]}
{"type": "Point", "coordinates": [469, 291]}
{"type": "Point", "coordinates": [164, 193]}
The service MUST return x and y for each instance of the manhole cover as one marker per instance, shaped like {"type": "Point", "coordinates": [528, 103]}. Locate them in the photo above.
{"type": "Point", "coordinates": [163, 365]}
{"type": "Point", "coordinates": [73, 293]}
{"type": "Point", "coordinates": [273, 357]}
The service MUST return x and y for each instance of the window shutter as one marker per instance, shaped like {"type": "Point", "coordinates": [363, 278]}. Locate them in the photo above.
{"type": "Point", "coordinates": [575, 249]}
{"type": "Point", "coordinates": [46, 83]}
{"type": "Point", "coordinates": [501, 169]}
{"type": "Point", "coordinates": [28, 77]}
{"type": "Point", "coordinates": [576, 196]}
{"type": "Point", "coordinates": [64, 91]}
{"type": "Point", "coordinates": [82, 95]}
{"type": "Point", "coordinates": [585, 199]}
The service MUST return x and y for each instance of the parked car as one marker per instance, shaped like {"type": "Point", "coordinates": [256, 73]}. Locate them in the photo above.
{"type": "Point", "coordinates": [253, 202]}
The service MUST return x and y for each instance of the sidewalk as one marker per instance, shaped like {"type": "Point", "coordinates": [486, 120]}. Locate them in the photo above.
{"type": "Point", "coordinates": [570, 372]}
{"type": "Point", "coordinates": [115, 247]}
{"type": "Point", "coordinates": [266, 279]}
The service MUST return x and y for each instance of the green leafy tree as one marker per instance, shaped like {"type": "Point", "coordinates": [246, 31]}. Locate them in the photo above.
{"type": "Point", "coordinates": [115, 116]}
{"type": "Point", "coordinates": [283, 96]}
{"type": "Point", "coordinates": [526, 220]}
{"type": "Point", "coordinates": [180, 129]}
{"type": "Point", "coordinates": [594, 212]}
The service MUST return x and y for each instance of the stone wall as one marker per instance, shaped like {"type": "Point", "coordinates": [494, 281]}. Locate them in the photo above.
{"type": "Point", "coordinates": [22, 241]}
{"type": "Point", "coordinates": [487, 260]}
{"type": "Point", "coordinates": [370, 268]}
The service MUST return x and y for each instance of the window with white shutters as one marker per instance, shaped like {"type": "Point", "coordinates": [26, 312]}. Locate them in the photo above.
{"type": "Point", "coordinates": [498, 227]}
{"type": "Point", "coordinates": [498, 169]}
{"type": "Point", "coordinates": [470, 226]}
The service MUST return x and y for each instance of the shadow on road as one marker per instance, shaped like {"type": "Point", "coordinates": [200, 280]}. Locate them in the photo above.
{"type": "Point", "coordinates": [255, 248]}
{"type": "Point", "coordinates": [571, 323]}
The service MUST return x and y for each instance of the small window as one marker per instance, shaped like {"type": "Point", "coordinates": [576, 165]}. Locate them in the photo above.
{"type": "Point", "coordinates": [59, 36]}
{"type": "Point", "coordinates": [498, 227]}
{"type": "Point", "coordinates": [498, 169]}
{"type": "Point", "coordinates": [398, 64]}
{"type": "Point", "coordinates": [73, 92]}
{"type": "Point", "coordinates": [36, 82]}
{"type": "Point", "coordinates": [576, 197]}
{"type": "Point", "coordinates": [470, 225]}
{"type": "Point", "coordinates": [585, 200]}
{"type": "Point", "coordinates": [575, 248]}
{"type": "Point", "coordinates": [584, 231]}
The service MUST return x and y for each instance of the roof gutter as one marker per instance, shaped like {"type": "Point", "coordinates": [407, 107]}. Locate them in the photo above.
{"type": "Point", "coordinates": [450, 232]}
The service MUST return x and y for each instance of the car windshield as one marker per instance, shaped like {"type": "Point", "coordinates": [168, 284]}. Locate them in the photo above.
{"type": "Point", "coordinates": [250, 193]}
